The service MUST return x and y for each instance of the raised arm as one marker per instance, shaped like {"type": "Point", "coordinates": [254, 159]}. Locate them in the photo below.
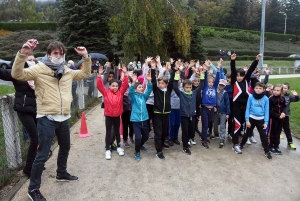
{"type": "Point", "coordinates": [5, 74]}
{"type": "Point", "coordinates": [233, 69]}
{"type": "Point", "coordinates": [175, 84]}
{"type": "Point", "coordinates": [85, 71]}
{"type": "Point", "coordinates": [100, 86]}
{"type": "Point", "coordinates": [19, 73]}
{"type": "Point", "coordinates": [252, 68]}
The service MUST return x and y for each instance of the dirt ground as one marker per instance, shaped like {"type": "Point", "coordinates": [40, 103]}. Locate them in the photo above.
{"type": "Point", "coordinates": [208, 174]}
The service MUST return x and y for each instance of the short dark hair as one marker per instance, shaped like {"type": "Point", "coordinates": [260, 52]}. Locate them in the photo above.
{"type": "Point", "coordinates": [112, 81]}
{"type": "Point", "coordinates": [164, 79]}
{"type": "Point", "coordinates": [225, 71]}
{"type": "Point", "coordinates": [287, 84]}
{"type": "Point", "coordinates": [260, 84]}
{"type": "Point", "coordinates": [56, 45]}
{"type": "Point", "coordinates": [111, 72]}
{"type": "Point", "coordinates": [138, 72]}
{"type": "Point", "coordinates": [186, 82]}
{"type": "Point", "coordinates": [241, 72]}
{"type": "Point", "coordinates": [137, 84]}
{"type": "Point", "coordinates": [228, 76]}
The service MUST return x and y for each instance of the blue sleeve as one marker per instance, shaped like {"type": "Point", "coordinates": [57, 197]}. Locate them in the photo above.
{"type": "Point", "coordinates": [131, 93]}
{"type": "Point", "coordinates": [222, 76]}
{"type": "Point", "coordinates": [217, 80]}
{"type": "Point", "coordinates": [175, 88]}
{"type": "Point", "coordinates": [205, 80]}
{"type": "Point", "coordinates": [227, 103]}
{"type": "Point", "coordinates": [267, 111]}
{"type": "Point", "coordinates": [215, 70]}
{"type": "Point", "coordinates": [148, 91]}
{"type": "Point", "coordinates": [266, 80]}
{"type": "Point", "coordinates": [248, 108]}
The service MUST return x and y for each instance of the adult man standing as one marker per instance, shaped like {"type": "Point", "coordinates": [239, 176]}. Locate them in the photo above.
{"type": "Point", "coordinates": [53, 81]}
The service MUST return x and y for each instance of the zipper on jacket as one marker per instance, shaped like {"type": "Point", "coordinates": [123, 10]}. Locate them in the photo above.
{"type": "Point", "coordinates": [60, 97]}
{"type": "Point", "coordinates": [278, 100]}
{"type": "Point", "coordinates": [24, 100]}
{"type": "Point", "coordinates": [141, 110]}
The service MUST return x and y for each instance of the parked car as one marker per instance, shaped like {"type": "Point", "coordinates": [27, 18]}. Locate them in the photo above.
{"type": "Point", "coordinates": [294, 56]}
{"type": "Point", "coordinates": [4, 64]}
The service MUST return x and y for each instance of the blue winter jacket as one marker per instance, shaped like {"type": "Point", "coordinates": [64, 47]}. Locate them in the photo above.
{"type": "Point", "coordinates": [139, 111]}
{"type": "Point", "coordinates": [224, 106]}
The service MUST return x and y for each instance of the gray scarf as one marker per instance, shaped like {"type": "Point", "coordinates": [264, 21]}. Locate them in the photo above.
{"type": "Point", "coordinates": [58, 68]}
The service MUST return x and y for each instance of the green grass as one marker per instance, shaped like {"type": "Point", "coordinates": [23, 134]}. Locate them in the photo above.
{"type": "Point", "coordinates": [295, 106]}
{"type": "Point", "coordinates": [270, 63]}
{"type": "Point", "coordinates": [4, 89]}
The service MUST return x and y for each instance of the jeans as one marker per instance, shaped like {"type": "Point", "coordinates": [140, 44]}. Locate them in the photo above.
{"type": "Point", "coordinates": [187, 128]}
{"type": "Point", "coordinates": [174, 124]}
{"type": "Point", "coordinates": [141, 132]}
{"type": "Point", "coordinates": [161, 122]}
{"type": "Point", "coordinates": [112, 123]}
{"type": "Point", "coordinates": [220, 118]}
{"type": "Point", "coordinates": [46, 130]}
{"type": "Point", "coordinates": [127, 124]}
{"type": "Point", "coordinates": [206, 117]}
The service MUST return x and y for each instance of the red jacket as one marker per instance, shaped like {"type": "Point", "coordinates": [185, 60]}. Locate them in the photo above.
{"type": "Point", "coordinates": [113, 100]}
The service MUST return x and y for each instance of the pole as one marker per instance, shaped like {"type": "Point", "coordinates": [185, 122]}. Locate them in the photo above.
{"type": "Point", "coordinates": [285, 23]}
{"type": "Point", "coordinates": [262, 34]}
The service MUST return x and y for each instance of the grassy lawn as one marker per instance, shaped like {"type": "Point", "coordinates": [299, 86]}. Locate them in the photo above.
{"type": "Point", "coordinates": [295, 107]}
{"type": "Point", "coordinates": [4, 89]}
{"type": "Point", "coordinates": [270, 63]}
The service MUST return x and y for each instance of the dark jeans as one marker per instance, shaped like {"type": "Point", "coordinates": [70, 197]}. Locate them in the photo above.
{"type": "Point", "coordinates": [29, 121]}
{"type": "Point", "coordinates": [259, 124]}
{"type": "Point", "coordinates": [150, 113]}
{"type": "Point", "coordinates": [91, 87]}
{"type": "Point", "coordinates": [112, 122]}
{"type": "Point", "coordinates": [274, 132]}
{"type": "Point", "coordinates": [127, 124]}
{"type": "Point", "coordinates": [46, 130]}
{"type": "Point", "coordinates": [161, 122]}
{"type": "Point", "coordinates": [287, 130]}
{"type": "Point", "coordinates": [187, 128]}
{"type": "Point", "coordinates": [141, 132]}
{"type": "Point", "coordinates": [206, 117]}
{"type": "Point", "coordinates": [174, 124]}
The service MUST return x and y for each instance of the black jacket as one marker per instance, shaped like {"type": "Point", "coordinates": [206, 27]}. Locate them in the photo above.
{"type": "Point", "coordinates": [24, 96]}
{"type": "Point", "coordinates": [162, 99]}
{"type": "Point", "coordinates": [277, 106]}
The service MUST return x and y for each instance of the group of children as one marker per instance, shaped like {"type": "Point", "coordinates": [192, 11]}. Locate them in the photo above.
{"type": "Point", "coordinates": [175, 94]}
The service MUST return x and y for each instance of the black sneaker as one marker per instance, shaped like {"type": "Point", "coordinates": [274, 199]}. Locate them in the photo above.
{"type": "Point", "coordinates": [212, 137]}
{"type": "Point", "coordinates": [242, 146]}
{"type": "Point", "coordinates": [170, 143]}
{"type": "Point", "coordinates": [186, 151]}
{"type": "Point", "coordinates": [176, 142]}
{"type": "Point", "coordinates": [277, 151]}
{"type": "Point", "coordinates": [268, 155]}
{"type": "Point", "coordinates": [36, 195]}
{"type": "Point", "coordinates": [272, 150]}
{"type": "Point", "coordinates": [166, 146]}
{"type": "Point", "coordinates": [160, 155]}
{"type": "Point", "coordinates": [221, 145]}
{"type": "Point", "coordinates": [205, 144]}
{"type": "Point", "coordinates": [66, 177]}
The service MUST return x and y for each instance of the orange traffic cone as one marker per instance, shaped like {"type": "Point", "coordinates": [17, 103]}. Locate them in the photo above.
{"type": "Point", "coordinates": [83, 128]}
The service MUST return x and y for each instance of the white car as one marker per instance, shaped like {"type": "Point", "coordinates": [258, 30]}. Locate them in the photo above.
{"type": "Point", "coordinates": [4, 64]}
{"type": "Point", "coordinates": [294, 55]}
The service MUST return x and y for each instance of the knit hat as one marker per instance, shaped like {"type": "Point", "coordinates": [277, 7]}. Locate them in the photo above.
{"type": "Point", "coordinates": [140, 79]}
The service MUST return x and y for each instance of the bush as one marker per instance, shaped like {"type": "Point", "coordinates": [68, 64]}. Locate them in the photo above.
{"type": "Point", "coordinates": [4, 33]}
{"type": "Point", "coordinates": [243, 52]}
{"type": "Point", "coordinates": [21, 26]}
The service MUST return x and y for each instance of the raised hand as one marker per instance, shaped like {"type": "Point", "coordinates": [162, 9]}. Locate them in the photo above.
{"type": "Point", "coordinates": [82, 51]}
{"type": "Point", "coordinates": [198, 64]}
{"type": "Point", "coordinates": [177, 65]}
{"type": "Point", "coordinates": [258, 57]}
{"type": "Point", "coordinates": [168, 66]}
{"type": "Point", "coordinates": [124, 69]}
{"type": "Point", "coordinates": [171, 60]}
{"type": "Point", "coordinates": [28, 47]}
{"type": "Point", "coordinates": [157, 59]}
{"type": "Point", "coordinates": [148, 77]}
{"type": "Point", "coordinates": [267, 70]}
{"type": "Point", "coordinates": [134, 78]}
{"type": "Point", "coordinates": [148, 59]}
{"type": "Point", "coordinates": [233, 56]}
{"type": "Point", "coordinates": [100, 70]}
{"type": "Point", "coordinates": [294, 93]}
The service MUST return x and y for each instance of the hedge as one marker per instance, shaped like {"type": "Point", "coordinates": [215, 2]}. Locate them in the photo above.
{"type": "Point", "coordinates": [242, 52]}
{"type": "Point", "coordinates": [21, 26]}
{"type": "Point", "coordinates": [268, 35]}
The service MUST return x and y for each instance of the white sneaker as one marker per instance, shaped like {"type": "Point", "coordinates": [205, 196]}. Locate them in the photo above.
{"type": "Point", "coordinates": [252, 139]}
{"type": "Point", "coordinates": [189, 142]}
{"type": "Point", "coordinates": [108, 155]}
{"type": "Point", "coordinates": [192, 142]}
{"type": "Point", "coordinates": [248, 141]}
{"type": "Point", "coordinates": [120, 151]}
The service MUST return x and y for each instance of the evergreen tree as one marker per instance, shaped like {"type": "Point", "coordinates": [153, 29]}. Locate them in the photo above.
{"type": "Point", "coordinates": [84, 23]}
{"type": "Point", "coordinates": [293, 16]}
{"type": "Point", "coordinates": [197, 50]}
{"type": "Point", "coordinates": [274, 20]}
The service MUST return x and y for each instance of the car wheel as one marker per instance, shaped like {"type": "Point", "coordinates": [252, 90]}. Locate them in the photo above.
{"type": "Point", "coordinates": [4, 66]}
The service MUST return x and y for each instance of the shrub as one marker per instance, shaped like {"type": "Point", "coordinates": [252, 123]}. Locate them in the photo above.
{"type": "Point", "coordinates": [4, 33]}
{"type": "Point", "coordinates": [21, 26]}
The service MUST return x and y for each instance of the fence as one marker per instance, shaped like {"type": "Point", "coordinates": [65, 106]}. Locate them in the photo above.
{"type": "Point", "coordinates": [14, 142]}
{"type": "Point", "coordinates": [274, 70]}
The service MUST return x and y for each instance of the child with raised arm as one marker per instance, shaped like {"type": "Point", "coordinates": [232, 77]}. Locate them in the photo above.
{"type": "Point", "coordinates": [139, 115]}
{"type": "Point", "coordinates": [240, 80]}
{"type": "Point", "coordinates": [113, 109]}
{"type": "Point", "coordinates": [209, 102]}
{"type": "Point", "coordinates": [293, 97]}
{"type": "Point", "coordinates": [257, 115]}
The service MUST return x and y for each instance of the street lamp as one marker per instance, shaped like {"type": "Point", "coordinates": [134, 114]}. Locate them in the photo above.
{"type": "Point", "coordinates": [285, 21]}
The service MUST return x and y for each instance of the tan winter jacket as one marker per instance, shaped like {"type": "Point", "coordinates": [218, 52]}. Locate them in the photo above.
{"type": "Point", "coordinates": [53, 96]}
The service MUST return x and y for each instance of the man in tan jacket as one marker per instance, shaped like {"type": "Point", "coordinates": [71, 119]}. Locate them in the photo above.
{"type": "Point", "coordinates": [53, 89]}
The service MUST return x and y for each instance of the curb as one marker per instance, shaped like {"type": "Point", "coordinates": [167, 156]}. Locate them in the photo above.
{"type": "Point", "coordinates": [12, 192]}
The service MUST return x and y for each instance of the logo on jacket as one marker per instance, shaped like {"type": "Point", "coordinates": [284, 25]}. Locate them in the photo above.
{"type": "Point", "coordinates": [211, 93]}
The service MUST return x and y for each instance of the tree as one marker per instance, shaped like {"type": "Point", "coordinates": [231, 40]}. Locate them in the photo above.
{"type": "Point", "coordinates": [293, 16]}
{"type": "Point", "coordinates": [52, 14]}
{"type": "Point", "coordinates": [197, 50]}
{"type": "Point", "coordinates": [274, 20]}
{"type": "Point", "coordinates": [143, 25]}
{"type": "Point", "coordinates": [84, 23]}
{"type": "Point", "coordinates": [28, 13]}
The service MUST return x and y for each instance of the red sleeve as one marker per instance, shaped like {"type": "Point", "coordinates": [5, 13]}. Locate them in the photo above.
{"type": "Point", "coordinates": [100, 86]}
{"type": "Point", "coordinates": [124, 85]}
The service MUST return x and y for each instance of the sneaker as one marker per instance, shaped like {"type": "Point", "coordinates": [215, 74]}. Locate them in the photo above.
{"type": "Point", "coordinates": [292, 146]}
{"type": "Point", "coordinates": [108, 155]}
{"type": "Point", "coordinates": [268, 155]}
{"type": "Point", "coordinates": [131, 139]}
{"type": "Point", "coordinates": [237, 149]}
{"type": "Point", "coordinates": [205, 144]}
{"type": "Point", "coordinates": [186, 151]}
{"type": "Point", "coordinates": [229, 136]}
{"type": "Point", "coordinates": [193, 142]}
{"type": "Point", "coordinates": [170, 143]}
{"type": "Point", "coordinates": [277, 151]}
{"type": "Point", "coordinates": [248, 141]}
{"type": "Point", "coordinates": [151, 136]}
{"type": "Point", "coordinates": [166, 146]}
{"type": "Point", "coordinates": [144, 148]}
{"type": "Point", "coordinates": [66, 177]}
{"type": "Point", "coordinates": [221, 145]}
{"type": "Point", "coordinates": [120, 151]}
{"type": "Point", "coordinates": [189, 142]}
{"type": "Point", "coordinates": [281, 137]}
{"type": "Point", "coordinates": [252, 139]}
{"type": "Point", "coordinates": [36, 195]}
{"type": "Point", "coordinates": [137, 156]}
{"type": "Point", "coordinates": [272, 150]}
{"type": "Point", "coordinates": [242, 146]}
{"type": "Point", "coordinates": [176, 142]}
{"type": "Point", "coordinates": [126, 144]}
{"type": "Point", "coordinates": [160, 155]}
{"type": "Point", "coordinates": [212, 137]}
{"type": "Point", "coordinates": [113, 147]}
